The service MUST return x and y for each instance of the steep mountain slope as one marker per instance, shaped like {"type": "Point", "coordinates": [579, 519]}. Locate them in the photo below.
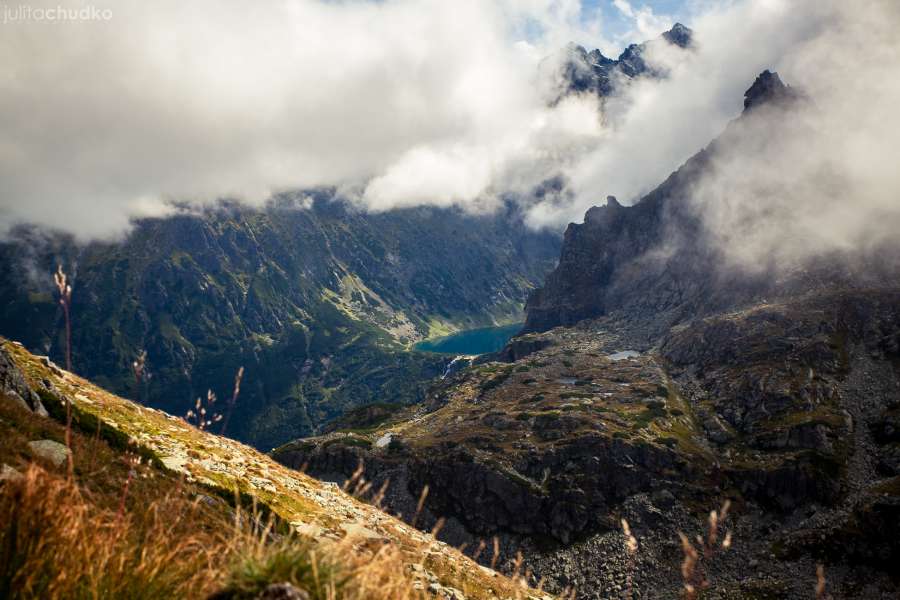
{"type": "Point", "coordinates": [782, 408]}
{"type": "Point", "coordinates": [659, 262]}
{"type": "Point", "coordinates": [212, 472]}
{"type": "Point", "coordinates": [654, 381]}
{"type": "Point", "coordinates": [319, 302]}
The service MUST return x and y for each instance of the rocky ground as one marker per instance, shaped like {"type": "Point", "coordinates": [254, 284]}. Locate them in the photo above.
{"type": "Point", "coordinates": [786, 409]}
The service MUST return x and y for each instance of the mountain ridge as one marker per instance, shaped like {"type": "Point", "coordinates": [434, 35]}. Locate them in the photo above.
{"type": "Point", "coordinates": [659, 260]}
{"type": "Point", "coordinates": [226, 469]}
{"type": "Point", "coordinates": [590, 71]}
{"type": "Point", "coordinates": [319, 304]}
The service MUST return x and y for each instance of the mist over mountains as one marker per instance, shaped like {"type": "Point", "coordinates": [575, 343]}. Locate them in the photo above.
{"type": "Point", "coordinates": [424, 120]}
{"type": "Point", "coordinates": [374, 235]}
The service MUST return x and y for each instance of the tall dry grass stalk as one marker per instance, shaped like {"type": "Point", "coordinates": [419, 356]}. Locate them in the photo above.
{"type": "Point", "coordinates": [821, 583]}
{"type": "Point", "coordinates": [65, 300]}
{"type": "Point", "coordinates": [133, 463]}
{"type": "Point", "coordinates": [138, 368]}
{"type": "Point", "coordinates": [236, 391]}
{"type": "Point", "coordinates": [420, 505]}
{"type": "Point", "coordinates": [697, 559]}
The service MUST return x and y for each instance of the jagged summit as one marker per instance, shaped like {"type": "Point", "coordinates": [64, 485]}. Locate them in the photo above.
{"type": "Point", "coordinates": [599, 214]}
{"type": "Point", "coordinates": [679, 35]}
{"type": "Point", "coordinates": [592, 71]}
{"type": "Point", "coordinates": [768, 88]}
{"type": "Point", "coordinates": [613, 261]}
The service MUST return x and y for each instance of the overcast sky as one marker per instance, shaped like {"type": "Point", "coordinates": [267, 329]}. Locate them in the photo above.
{"type": "Point", "coordinates": [398, 102]}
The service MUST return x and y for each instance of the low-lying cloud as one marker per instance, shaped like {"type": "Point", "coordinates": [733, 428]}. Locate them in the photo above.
{"type": "Point", "coordinates": [783, 188]}
{"type": "Point", "coordinates": [417, 101]}
{"type": "Point", "coordinates": [821, 178]}
{"type": "Point", "coordinates": [407, 102]}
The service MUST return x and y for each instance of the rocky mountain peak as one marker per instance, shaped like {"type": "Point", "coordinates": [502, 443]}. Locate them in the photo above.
{"type": "Point", "coordinates": [598, 58]}
{"type": "Point", "coordinates": [600, 214]}
{"type": "Point", "coordinates": [591, 71]}
{"type": "Point", "coordinates": [679, 35]}
{"type": "Point", "coordinates": [768, 88]}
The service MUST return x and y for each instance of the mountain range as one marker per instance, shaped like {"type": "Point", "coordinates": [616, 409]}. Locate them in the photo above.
{"type": "Point", "coordinates": [591, 72]}
{"type": "Point", "coordinates": [654, 378]}
{"type": "Point", "coordinates": [317, 300]}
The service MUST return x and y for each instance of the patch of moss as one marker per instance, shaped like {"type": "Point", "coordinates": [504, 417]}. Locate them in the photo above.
{"type": "Point", "coordinates": [89, 424]}
{"type": "Point", "coordinates": [647, 416]}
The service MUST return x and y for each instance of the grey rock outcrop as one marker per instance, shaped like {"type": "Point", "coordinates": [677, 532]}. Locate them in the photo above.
{"type": "Point", "coordinates": [51, 451]}
{"type": "Point", "coordinates": [14, 385]}
{"type": "Point", "coordinates": [282, 591]}
{"type": "Point", "coordinates": [8, 473]}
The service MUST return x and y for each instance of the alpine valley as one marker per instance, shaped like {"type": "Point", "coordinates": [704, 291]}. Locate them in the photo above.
{"type": "Point", "coordinates": [295, 401]}
{"type": "Point", "coordinates": [319, 304]}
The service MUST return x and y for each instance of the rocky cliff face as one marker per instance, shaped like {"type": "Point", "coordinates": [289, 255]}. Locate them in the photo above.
{"type": "Point", "coordinates": [319, 304]}
{"type": "Point", "coordinates": [657, 260]}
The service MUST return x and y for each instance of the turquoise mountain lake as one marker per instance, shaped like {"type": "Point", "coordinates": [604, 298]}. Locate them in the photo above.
{"type": "Point", "coordinates": [472, 341]}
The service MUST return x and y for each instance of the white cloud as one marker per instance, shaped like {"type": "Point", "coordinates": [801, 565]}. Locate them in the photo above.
{"type": "Point", "coordinates": [823, 178]}
{"type": "Point", "coordinates": [845, 56]}
{"type": "Point", "coordinates": [427, 101]}
{"type": "Point", "coordinates": [432, 101]}
{"type": "Point", "coordinates": [646, 24]}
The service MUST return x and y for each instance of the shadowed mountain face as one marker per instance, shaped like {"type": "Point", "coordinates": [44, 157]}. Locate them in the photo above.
{"type": "Point", "coordinates": [655, 378]}
{"type": "Point", "coordinates": [661, 260]}
{"type": "Point", "coordinates": [319, 304]}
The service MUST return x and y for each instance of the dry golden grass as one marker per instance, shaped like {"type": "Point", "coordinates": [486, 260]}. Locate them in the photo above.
{"type": "Point", "coordinates": [123, 529]}
{"type": "Point", "coordinates": [55, 543]}
{"type": "Point", "coordinates": [697, 559]}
